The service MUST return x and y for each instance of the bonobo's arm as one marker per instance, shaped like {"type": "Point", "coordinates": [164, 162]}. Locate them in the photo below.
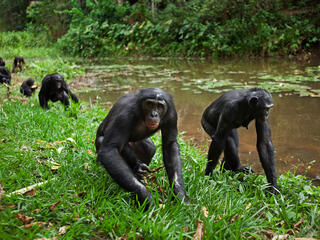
{"type": "Point", "coordinates": [115, 137]}
{"type": "Point", "coordinates": [68, 91]}
{"type": "Point", "coordinates": [266, 154]}
{"type": "Point", "coordinates": [172, 160]}
{"type": "Point", "coordinates": [64, 98]}
{"type": "Point", "coordinates": [74, 97]}
{"type": "Point", "coordinates": [42, 97]}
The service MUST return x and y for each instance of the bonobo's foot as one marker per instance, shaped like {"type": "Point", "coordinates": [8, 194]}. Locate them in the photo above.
{"type": "Point", "coordinates": [244, 169]}
{"type": "Point", "coordinates": [273, 190]}
{"type": "Point", "coordinates": [140, 169]}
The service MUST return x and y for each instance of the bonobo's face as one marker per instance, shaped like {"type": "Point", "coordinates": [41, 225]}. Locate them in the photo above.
{"type": "Point", "coordinates": [263, 108]}
{"type": "Point", "coordinates": [261, 102]}
{"type": "Point", "coordinates": [263, 113]}
{"type": "Point", "coordinates": [58, 84]}
{"type": "Point", "coordinates": [153, 111]}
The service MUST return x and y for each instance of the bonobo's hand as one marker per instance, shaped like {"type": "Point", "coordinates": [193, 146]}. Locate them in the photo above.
{"type": "Point", "coordinates": [140, 169]}
{"type": "Point", "coordinates": [245, 169]}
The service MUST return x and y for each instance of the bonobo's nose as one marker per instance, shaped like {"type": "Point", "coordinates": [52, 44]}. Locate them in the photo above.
{"type": "Point", "coordinates": [154, 114]}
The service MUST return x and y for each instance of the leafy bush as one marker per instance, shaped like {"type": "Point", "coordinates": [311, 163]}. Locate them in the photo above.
{"type": "Point", "coordinates": [23, 39]}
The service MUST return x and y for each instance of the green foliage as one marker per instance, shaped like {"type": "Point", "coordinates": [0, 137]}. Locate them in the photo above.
{"type": "Point", "coordinates": [85, 36]}
{"type": "Point", "coordinates": [192, 28]}
{"type": "Point", "coordinates": [13, 15]}
{"type": "Point", "coordinates": [173, 28]}
{"type": "Point", "coordinates": [23, 39]}
{"type": "Point", "coordinates": [51, 15]}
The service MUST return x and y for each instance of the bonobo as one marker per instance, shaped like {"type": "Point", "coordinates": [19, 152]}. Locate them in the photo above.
{"type": "Point", "coordinates": [5, 75]}
{"type": "Point", "coordinates": [125, 149]}
{"type": "Point", "coordinates": [54, 88]}
{"type": "Point", "coordinates": [18, 62]}
{"type": "Point", "coordinates": [230, 111]}
{"type": "Point", "coordinates": [28, 87]}
{"type": "Point", "coordinates": [2, 62]}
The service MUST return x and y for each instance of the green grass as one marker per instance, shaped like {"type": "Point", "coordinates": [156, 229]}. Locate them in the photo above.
{"type": "Point", "coordinates": [94, 207]}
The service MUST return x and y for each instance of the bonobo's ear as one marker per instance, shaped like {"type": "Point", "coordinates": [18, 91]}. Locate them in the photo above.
{"type": "Point", "coordinates": [253, 101]}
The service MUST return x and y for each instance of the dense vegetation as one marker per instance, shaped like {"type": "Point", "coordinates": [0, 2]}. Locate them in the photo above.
{"type": "Point", "coordinates": [170, 28]}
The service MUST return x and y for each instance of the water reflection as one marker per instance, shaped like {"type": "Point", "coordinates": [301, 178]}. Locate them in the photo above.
{"type": "Point", "coordinates": [294, 120]}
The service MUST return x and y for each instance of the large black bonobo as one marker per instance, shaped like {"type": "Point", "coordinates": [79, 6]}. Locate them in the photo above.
{"type": "Point", "coordinates": [54, 88]}
{"type": "Point", "coordinates": [28, 87]}
{"type": "Point", "coordinates": [2, 62]}
{"type": "Point", "coordinates": [5, 75]}
{"type": "Point", "coordinates": [18, 63]}
{"type": "Point", "coordinates": [125, 149]}
{"type": "Point", "coordinates": [230, 111]}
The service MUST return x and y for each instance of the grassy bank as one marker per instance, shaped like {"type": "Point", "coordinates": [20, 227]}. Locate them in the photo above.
{"type": "Point", "coordinates": [78, 200]}
{"type": "Point", "coordinates": [40, 55]}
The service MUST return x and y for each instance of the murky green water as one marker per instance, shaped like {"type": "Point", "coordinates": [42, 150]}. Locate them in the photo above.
{"type": "Point", "coordinates": [295, 120]}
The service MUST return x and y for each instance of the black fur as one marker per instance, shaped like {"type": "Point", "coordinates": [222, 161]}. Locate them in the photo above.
{"type": "Point", "coordinates": [54, 88]}
{"type": "Point", "coordinates": [27, 87]}
{"type": "Point", "coordinates": [125, 149]}
{"type": "Point", "coordinates": [230, 111]}
{"type": "Point", "coordinates": [5, 75]}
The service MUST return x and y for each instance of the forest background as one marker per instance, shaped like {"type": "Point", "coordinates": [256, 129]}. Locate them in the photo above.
{"type": "Point", "coordinates": [203, 28]}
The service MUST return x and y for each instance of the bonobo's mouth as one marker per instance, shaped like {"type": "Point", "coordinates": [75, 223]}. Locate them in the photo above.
{"type": "Point", "coordinates": [152, 125]}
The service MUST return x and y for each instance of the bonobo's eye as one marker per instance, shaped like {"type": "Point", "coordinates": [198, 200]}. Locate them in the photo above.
{"type": "Point", "coordinates": [149, 104]}
{"type": "Point", "coordinates": [160, 106]}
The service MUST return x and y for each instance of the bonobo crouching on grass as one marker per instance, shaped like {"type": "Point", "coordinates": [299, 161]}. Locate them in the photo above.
{"type": "Point", "coordinates": [230, 111]}
{"type": "Point", "coordinates": [5, 75]}
{"type": "Point", "coordinates": [28, 87]}
{"type": "Point", "coordinates": [18, 63]}
{"type": "Point", "coordinates": [54, 88]}
{"type": "Point", "coordinates": [125, 149]}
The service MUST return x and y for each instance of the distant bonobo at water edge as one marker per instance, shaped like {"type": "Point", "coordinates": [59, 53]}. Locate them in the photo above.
{"type": "Point", "coordinates": [230, 111]}
{"type": "Point", "coordinates": [125, 149]}
{"type": "Point", "coordinates": [54, 88]}
{"type": "Point", "coordinates": [18, 63]}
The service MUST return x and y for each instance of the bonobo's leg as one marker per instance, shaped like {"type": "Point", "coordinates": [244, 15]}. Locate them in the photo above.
{"type": "Point", "coordinates": [123, 175]}
{"type": "Point", "coordinates": [231, 159]}
{"type": "Point", "coordinates": [144, 149]}
{"type": "Point", "coordinates": [216, 148]}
